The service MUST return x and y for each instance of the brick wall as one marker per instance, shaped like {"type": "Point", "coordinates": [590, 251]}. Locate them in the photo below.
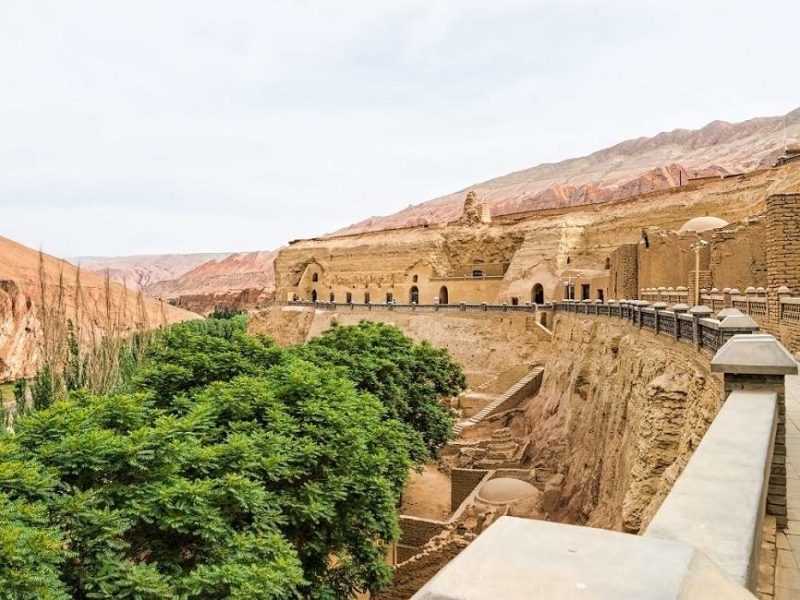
{"type": "Point", "coordinates": [623, 274]}
{"type": "Point", "coordinates": [783, 257]}
{"type": "Point", "coordinates": [462, 483]}
{"type": "Point", "coordinates": [415, 533]}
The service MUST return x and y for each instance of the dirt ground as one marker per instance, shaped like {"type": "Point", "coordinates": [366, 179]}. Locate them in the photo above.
{"type": "Point", "coordinates": [427, 495]}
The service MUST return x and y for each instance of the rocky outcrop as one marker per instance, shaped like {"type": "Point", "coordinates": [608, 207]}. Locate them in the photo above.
{"type": "Point", "coordinates": [619, 413]}
{"type": "Point", "coordinates": [19, 349]}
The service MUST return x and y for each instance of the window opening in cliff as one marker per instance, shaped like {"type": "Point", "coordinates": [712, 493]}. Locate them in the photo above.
{"type": "Point", "coordinates": [415, 279]}
{"type": "Point", "coordinates": [537, 294]}
{"type": "Point", "coordinates": [414, 295]}
{"type": "Point", "coordinates": [477, 273]}
{"type": "Point", "coordinates": [586, 291]}
{"type": "Point", "coordinates": [569, 291]}
{"type": "Point", "coordinates": [349, 298]}
{"type": "Point", "coordinates": [608, 263]}
{"type": "Point", "coordinates": [315, 277]}
{"type": "Point", "coordinates": [389, 297]}
{"type": "Point", "coordinates": [313, 295]}
{"type": "Point", "coordinates": [444, 297]}
{"type": "Point", "coordinates": [366, 297]}
{"type": "Point", "coordinates": [601, 295]}
{"type": "Point", "coordinates": [332, 297]}
{"type": "Point", "coordinates": [514, 301]}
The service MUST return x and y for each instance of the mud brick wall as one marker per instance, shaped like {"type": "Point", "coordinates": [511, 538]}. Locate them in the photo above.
{"type": "Point", "coordinates": [623, 273]}
{"type": "Point", "coordinates": [462, 483]}
{"type": "Point", "coordinates": [783, 258]}
{"type": "Point", "coordinates": [415, 533]}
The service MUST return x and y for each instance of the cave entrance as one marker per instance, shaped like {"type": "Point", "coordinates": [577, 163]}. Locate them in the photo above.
{"type": "Point", "coordinates": [537, 294]}
{"type": "Point", "coordinates": [444, 297]}
{"type": "Point", "coordinates": [414, 295]}
{"type": "Point", "coordinates": [313, 295]}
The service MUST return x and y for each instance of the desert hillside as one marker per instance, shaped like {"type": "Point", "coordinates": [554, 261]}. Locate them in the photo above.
{"type": "Point", "coordinates": [239, 271]}
{"type": "Point", "coordinates": [94, 305]}
{"type": "Point", "coordinates": [140, 272]}
{"type": "Point", "coordinates": [624, 170]}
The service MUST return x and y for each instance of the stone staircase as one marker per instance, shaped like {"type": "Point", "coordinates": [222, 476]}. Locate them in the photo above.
{"type": "Point", "coordinates": [492, 406]}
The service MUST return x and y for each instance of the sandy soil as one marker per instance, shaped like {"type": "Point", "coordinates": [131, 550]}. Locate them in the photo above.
{"type": "Point", "coordinates": [427, 495]}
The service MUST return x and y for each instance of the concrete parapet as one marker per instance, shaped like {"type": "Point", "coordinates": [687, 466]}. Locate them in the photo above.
{"type": "Point", "coordinates": [732, 461]}
{"type": "Point", "coordinates": [759, 363]}
{"type": "Point", "coordinates": [520, 559]}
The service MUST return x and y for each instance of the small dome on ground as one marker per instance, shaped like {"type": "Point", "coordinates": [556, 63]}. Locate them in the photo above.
{"type": "Point", "coordinates": [700, 224]}
{"type": "Point", "coordinates": [505, 489]}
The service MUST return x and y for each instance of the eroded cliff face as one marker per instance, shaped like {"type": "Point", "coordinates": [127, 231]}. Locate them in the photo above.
{"type": "Point", "coordinates": [619, 413]}
{"type": "Point", "coordinates": [19, 328]}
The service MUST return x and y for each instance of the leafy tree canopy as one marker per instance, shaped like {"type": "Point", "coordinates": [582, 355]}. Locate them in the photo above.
{"type": "Point", "coordinates": [228, 468]}
{"type": "Point", "coordinates": [411, 379]}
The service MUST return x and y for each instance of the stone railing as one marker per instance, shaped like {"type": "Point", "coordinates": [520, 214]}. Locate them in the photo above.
{"type": "Point", "coordinates": [678, 295]}
{"type": "Point", "coordinates": [692, 325]}
{"type": "Point", "coordinates": [705, 539]}
{"type": "Point", "coordinates": [392, 306]}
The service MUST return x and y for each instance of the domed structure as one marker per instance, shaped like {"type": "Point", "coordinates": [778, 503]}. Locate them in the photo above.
{"type": "Point", "coordinates": [504, 490]}
{"type": "Point", "coordinates": [700, 224]}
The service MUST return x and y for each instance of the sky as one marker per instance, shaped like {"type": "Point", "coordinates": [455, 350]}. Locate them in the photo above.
{"type": "Point", "coordinates": [195, 126]}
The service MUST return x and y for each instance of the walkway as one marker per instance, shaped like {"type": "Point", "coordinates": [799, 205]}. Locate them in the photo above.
{"type": "Point", "coordinates": [787, 569]}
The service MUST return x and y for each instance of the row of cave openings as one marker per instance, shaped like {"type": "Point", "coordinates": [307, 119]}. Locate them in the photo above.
{"type": "Point", "coordinates": [537, 296]}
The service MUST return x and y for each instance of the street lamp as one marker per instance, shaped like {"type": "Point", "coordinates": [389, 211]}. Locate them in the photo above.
{"type": "Point", "coordinates": [570, 287]}
{"type": "Point", "coordinates": [696, 247]}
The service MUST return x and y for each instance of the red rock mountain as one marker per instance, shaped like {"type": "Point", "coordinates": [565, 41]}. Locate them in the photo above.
{"type": "Point", "coordinates": [236, 281]}
{"type": "Point", "coordinates": [140, 272]}
{"type": "Point", "coordinates": [627, 169]}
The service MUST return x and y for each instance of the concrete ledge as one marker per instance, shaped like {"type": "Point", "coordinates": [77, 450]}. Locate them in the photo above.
{"type": "Point", "coordinates": [520, 559]}
{"type": "Point", "coordinates": [717, 504]}
{"type": "Point", "coordinates": [754, 354]}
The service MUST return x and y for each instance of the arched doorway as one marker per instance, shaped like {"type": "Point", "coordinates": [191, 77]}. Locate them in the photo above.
{"type": "Point", "coordinates": [443, 295]}
{"type": "Point", "coordinates": [537, 294]}
{"type": "Point", "coordinates": [414, 295]}
{"type": "Point", "coordinates": [313, 295]}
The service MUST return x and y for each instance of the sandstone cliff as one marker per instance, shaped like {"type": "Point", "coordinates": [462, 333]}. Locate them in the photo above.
{"type": "Point", "coordinates": [619, 413]}
{"type": "Point", "coordinates": [94, 305]}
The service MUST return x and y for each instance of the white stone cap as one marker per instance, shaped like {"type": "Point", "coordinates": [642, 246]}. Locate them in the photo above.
{"type": "Point", "coordinates": [660, 305]}
{"type": "Point", "coordinates": [738, 322]}
{"type": "Point", "coordinates": [753, 354]}
{"type": "Point", "coordinates": [726, 312]}
{"type": "Point", "coordinates": [680, 307]}
{"type": "Point", "coordinates": [700, 310]}
{"type": "Point", "coordinates": [522, 559]}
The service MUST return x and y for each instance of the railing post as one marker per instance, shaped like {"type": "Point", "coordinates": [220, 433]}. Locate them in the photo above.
{"type": "Point", "coordinates": [698, 312]}
{"type": "Point", "coordinates": [759, 362]}
{"type": "Point", "coordinates": [678, 310]}
{"type": "Point", "coordinates": [658, 306]}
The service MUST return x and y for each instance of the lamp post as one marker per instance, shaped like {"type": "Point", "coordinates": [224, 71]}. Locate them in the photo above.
{"type": "Point", "coordinates": [697, 246]}
{"type": "Point", "coordinates": [568, 283]}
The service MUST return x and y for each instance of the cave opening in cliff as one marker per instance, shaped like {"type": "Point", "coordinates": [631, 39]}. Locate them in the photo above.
{"type": "Point", "coordinates": [443, 295]}
{"type": "Point", "coordinates": [414, 295]}
{"type": "Point", "coordinates": [537, 294]}
{"type": "Point", "coordinates": [313, 295]}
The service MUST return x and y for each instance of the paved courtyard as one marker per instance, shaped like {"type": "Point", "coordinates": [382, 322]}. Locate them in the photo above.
{"type": "Point", "coordinates": [787, 568]}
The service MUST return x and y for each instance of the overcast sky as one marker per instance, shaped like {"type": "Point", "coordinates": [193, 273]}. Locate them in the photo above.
{"type": "Point", "coordinates": [130, 127]}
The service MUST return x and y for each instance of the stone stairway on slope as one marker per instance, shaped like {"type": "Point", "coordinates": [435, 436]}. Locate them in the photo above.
{"type": "Point", "coordinates": [495, 404]}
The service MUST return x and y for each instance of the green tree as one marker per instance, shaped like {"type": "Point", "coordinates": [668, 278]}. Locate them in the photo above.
{"type": "Point", "coordinates": [236, 469]}
{"type": "Point", "coordinates": [411, 379]}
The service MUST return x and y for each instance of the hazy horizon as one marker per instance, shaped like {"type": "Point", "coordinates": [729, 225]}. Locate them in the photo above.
{"type": "Point", "coordinates": [202, 127]}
